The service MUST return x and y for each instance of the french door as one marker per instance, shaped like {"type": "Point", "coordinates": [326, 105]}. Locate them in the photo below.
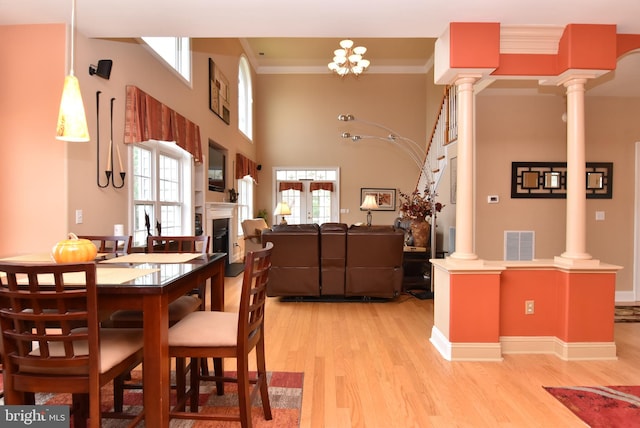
{"type": "Point", "coordinates": [311, 194]}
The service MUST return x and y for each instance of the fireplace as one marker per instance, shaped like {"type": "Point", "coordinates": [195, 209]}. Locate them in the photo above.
{"type": "Point", "coordinates": [220, 236]}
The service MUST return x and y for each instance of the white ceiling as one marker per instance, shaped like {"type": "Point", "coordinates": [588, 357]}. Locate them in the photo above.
{"type": "Point", "coordinates": [319, 25]}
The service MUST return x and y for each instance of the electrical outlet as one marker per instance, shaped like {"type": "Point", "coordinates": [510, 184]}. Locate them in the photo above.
{"type": "Point", "coordinates": [78, 216]}
{"type": "Point", "coordinates": [529, 307]}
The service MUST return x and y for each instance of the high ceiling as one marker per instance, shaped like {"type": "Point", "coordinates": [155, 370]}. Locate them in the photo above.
{"type": "Point", "coordinates": [303, 34]}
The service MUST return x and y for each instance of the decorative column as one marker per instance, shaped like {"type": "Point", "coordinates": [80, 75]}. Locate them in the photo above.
{"type": "Point", "coordinates": [466, 149]}
{"type": "Point", "coordinates": [576, 235]}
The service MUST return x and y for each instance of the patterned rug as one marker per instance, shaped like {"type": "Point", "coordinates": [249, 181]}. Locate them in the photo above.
{"type": "Point", "coordinates": [602, 406]}
{"type": "Point", "coordinates": [285, 395]}
{"type": "Point", "coordinates": [627, 314]}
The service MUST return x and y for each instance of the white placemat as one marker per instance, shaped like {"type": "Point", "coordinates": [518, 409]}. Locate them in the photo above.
{"type": "Point", "coordinates": [154, 258]}
{"type": "Point", "coordinates": [104, 276]}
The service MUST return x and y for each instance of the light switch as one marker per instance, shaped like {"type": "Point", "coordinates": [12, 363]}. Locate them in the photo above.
{"type": "Point", "coordinates": [599, 215]}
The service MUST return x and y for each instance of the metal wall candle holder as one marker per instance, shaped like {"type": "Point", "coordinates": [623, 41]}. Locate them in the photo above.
{"type": "Point", "coordinates": [109, 171]}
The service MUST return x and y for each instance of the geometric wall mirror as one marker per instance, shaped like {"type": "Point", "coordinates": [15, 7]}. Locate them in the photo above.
{"type": "Point", "coordinates": [549, 180]}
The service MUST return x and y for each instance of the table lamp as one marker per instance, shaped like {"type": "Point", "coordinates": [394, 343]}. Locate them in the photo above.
{"type": "Point", "coordinates": [369, 204]}
{"type": "Point", "coordinates": [282, 209]}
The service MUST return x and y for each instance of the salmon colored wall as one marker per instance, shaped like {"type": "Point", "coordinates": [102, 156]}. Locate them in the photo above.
{"type": "Point", "coordinates": [572, 306]}
{"type": "Point", "coordinates": [33, 168]}
{"type": "Point", "coordinates": [474, 45]}
{"type": "Point", "coordinates": [518, 286]}
{"type": "Point", "coordinates": [474, 308]}
{"type": "Point", "coordinates": [586, 307]}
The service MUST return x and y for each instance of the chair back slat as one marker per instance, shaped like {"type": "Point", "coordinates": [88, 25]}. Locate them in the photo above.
{"type": "Point", "coordinates": [178, 244]}
{"type": "Point", "coordinates": [253, 296]}
{"type": "Point", "coordinates": [46, 323]}
{"type": "Point", "coordinates": [111, 244]}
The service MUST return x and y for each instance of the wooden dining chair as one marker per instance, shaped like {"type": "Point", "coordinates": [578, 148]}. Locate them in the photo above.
{"type": "Point", "coordinates": [206, 334]}
{"type": "Point", "coordinates": [110, 245]}
{"type": "Point", "coordinates": [182, 306]}
{"type": "Point", "coordinates": [52, 340]}
{"type": "Point", "coordinates": [178, 308]}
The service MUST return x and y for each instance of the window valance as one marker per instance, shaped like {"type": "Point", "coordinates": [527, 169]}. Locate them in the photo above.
{"type": "Point", "coordinates": [148, 119]}
{"type": "Point", "coordinates": [245, 166]}
{"type": "Point", "coordinates": [321, 185]}
{"type": "Point", "coordinates": [290, 185]}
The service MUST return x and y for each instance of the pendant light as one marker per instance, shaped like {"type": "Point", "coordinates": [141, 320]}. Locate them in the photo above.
{"type": "Point", "coordinates": [72, 121]}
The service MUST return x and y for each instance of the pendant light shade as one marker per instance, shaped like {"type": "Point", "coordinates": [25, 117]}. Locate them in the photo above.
{"type": "Point", "coordinates": [72, 121]}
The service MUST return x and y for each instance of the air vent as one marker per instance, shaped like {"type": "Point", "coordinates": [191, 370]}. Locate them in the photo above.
{"type": "Point", "coordinates": [519, 244]}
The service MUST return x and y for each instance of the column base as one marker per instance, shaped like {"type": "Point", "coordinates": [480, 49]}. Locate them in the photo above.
{"type": "Point", "coordinates": [563, 260]}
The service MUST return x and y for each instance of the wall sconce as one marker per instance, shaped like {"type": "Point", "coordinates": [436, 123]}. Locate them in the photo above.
{"type": "Point", "coordinates": [102, 70]}
{"type": "Point", "coordinates": [369, 204]}
{"type": "Point", "coordinates": [282, 209]}
{"type": "Point", "coordinates": [109, 171]}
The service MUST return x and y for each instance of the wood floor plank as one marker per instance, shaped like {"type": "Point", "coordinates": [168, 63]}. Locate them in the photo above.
{"type": "Point", "coordinates": [371, 365]}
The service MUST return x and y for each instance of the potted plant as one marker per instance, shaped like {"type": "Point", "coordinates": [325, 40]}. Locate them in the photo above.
{"type": "Point", "coordinates": [418, 207]}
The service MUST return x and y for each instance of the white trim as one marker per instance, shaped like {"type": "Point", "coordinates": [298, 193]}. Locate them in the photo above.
{"type": "Point", "coordinates": [522, 345]}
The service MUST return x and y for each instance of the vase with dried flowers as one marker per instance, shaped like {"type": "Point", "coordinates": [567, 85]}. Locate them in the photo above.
{"type": "Point", "coordinates": [419, 207]}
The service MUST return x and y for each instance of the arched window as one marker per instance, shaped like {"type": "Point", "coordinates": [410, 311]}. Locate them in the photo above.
{"type": "Point", "coordinates": [245, 98]}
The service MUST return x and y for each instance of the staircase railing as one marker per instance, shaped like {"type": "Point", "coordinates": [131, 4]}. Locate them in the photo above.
{"type": "Point", "coordinates": [445, 131]}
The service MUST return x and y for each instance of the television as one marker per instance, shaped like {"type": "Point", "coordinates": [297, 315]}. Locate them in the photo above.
{"type": "Point", "coordinates": [217, 168]}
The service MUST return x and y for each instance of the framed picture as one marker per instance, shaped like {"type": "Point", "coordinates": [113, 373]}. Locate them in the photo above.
{"type": "Point", "coordinates": [219, 93]}
{"type": "Point", "coordinates": [385, 198]}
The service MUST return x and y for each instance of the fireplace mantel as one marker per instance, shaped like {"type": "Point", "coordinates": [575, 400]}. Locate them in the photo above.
{"type": "Point", "coordinates": [220, 210]}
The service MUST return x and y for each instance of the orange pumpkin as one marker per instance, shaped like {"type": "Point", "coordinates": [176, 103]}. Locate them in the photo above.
{"type": "Point", "coordinates": [74, 250]}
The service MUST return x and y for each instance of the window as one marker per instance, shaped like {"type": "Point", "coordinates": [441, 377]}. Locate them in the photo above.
{"type": "Point", "coordinates": [312, 194]}
{"type": "Point", "coordinates": [175, 51]}
{"type": "Point", "coordinates": [245, 201]}
{"type": "Point", "coordinates": [162, 188]}
{"type": "Point", "coordinates": [245, 99]}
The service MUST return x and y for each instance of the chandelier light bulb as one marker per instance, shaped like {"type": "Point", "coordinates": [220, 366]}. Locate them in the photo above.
{"type": "Point", "coordinates": [360, 50]}
{"type": "Point", "coordinates": [346, 44]}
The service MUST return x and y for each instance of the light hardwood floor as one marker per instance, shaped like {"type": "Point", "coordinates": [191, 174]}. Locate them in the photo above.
{"type": "Point", "coordinates": [372, 365]}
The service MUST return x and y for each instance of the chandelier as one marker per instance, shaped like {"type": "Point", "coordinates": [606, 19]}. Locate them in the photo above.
{"type": "Point", "coordinates": [348, 59]}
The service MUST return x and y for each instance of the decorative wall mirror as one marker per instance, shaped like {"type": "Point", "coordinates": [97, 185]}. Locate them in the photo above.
{"type": "Point", "coordinates": [530, 180]}
{"type": "Point", "coordinates": [595, 180]}
{"type": "Point", "coordinates": [549, 180]}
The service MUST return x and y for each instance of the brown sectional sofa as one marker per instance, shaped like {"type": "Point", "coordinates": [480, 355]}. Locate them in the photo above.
{"type": "Point", "coordinates": [335, 260]}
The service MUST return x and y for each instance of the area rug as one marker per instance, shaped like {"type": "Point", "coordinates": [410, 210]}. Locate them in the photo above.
{"type": "Point", "coordinates": [627, 314]}
{"type": "Point", "coordinates": [602, 406]}
{"type": "Point", "coordinates": [285, 395]}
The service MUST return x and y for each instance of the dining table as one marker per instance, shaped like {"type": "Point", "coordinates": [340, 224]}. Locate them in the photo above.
{"type": "Point", "coordinates": [148, 282]}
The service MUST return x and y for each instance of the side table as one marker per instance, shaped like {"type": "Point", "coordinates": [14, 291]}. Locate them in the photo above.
{"type": "Point", "coordinates": [417, 272]}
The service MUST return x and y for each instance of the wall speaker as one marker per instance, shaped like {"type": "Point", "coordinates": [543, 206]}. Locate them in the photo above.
{"type": "Point", "coordinates": [103, 69]}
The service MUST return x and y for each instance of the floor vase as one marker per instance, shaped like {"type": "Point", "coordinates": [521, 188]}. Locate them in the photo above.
{"type": "Point", "coordinates": [420, 230]}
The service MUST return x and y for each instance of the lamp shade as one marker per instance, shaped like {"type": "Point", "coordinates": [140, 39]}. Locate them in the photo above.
{"type": "Point", "coordinates": [369, 203]}
{"type": "Point", "coordinates": [282, 209]}
{"type": "Point", "coordinates": [72, 122]}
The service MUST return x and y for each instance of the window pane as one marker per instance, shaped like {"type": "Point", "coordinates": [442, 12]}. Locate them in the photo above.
{"type": "Point", "coordinates": [142, 179]}
{"type": "Point", "coordinates": [321, 206]}
{"type": "Point", "coordinates": [169, 179]}
{"type": "Point", "coordinates": [139, 224]}
{"type": "Point", "coordinates": [171, 219]}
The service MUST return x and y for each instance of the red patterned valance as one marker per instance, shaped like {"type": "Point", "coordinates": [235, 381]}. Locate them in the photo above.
{"type": "Point", "coordinates": [321, 185]}
{"type": "Point", "coordinates": [148, 119]}
{"type": "Point", "coordinates": [290, 185]}
{"type": "Point", "coordinates": [245, 166]}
